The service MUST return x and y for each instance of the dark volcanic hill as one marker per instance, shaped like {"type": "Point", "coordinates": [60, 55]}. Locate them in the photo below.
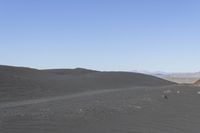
{"type": "Point", "coordinates": [19, 83]}
{"type": "Point", "coordinates": [72, 72]}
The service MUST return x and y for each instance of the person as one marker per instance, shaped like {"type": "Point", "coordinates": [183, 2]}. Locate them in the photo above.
{"type": "Point", "coordinates": [165, 96]}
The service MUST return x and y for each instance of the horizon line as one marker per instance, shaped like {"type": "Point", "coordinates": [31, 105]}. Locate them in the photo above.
{"type": "Point", "coordinates": [87, 68]}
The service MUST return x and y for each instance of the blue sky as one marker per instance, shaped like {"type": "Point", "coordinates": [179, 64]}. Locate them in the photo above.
{"type": "Point", "coordinates": [152, 35]}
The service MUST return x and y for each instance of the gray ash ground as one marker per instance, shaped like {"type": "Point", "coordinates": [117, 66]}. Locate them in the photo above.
{"type": "Point", "coordinates": [134, 110]}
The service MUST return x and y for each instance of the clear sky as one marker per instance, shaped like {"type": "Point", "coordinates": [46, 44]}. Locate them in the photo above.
{"type": "Point", "coordinates": [152, 35]}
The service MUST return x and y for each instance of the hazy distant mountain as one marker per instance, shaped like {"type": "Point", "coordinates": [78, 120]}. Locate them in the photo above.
{"type": "Point", "coordinates": [185, 78]}
{"type": "Point", "coordinates": [179, 77]}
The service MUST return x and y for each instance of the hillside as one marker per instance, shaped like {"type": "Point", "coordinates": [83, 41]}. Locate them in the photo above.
{"type": "Point", "coordinates": [18, 83]}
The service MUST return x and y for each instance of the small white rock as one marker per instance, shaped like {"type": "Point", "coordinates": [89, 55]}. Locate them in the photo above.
{"type": "Point", "coordinates": [138, 107]}
{"type": "Point", "coordinates": [167, 91]}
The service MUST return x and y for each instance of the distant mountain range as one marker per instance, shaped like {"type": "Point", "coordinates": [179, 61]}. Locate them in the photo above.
{"type": "Point", "coordinates": [187, 78]}
{"type": "Point", "coordinates": [184, 78]}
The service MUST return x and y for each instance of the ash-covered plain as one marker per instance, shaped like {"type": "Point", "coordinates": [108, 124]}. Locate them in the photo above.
{"type": "Point", "coordinates": [86, 101]}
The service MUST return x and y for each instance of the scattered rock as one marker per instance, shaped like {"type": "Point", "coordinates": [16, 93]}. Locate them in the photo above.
{"type": "Point", "coordinates": [138, 107]}
{"type": "Point", "coordinates": [167, 91]}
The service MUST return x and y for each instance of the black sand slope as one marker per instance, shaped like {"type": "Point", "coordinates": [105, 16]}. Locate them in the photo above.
{"type": "Point", "coordinates": [86, 101]}
{"type": "Point", "coordinates": [131, 110]}
{"type": "Point", "coordinates": [18, 83]}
